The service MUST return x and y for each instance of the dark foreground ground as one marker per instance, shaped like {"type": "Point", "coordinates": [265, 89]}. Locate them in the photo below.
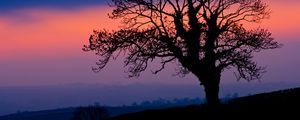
{"type": "Point", "coordinates": [284, 104]}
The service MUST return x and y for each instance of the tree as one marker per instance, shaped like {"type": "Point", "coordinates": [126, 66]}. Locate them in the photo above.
{"type": "Point", "coordinates": [205, 37]}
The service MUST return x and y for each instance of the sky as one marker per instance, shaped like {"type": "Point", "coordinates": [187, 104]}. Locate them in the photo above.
{"type": "Point", "coordinates": [41, 45]}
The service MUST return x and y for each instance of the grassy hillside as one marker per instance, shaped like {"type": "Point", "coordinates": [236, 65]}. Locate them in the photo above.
{"type": "Point", "coordinates": [280, 104]}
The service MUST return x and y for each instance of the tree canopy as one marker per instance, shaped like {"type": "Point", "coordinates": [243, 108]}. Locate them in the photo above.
{"type": "Point", "coordinates": [205, 37]}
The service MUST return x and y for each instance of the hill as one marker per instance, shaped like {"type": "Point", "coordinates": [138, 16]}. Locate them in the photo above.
{"type": "Point", "coordinates": [67, 113]}
{"type": "Point", "coordinates": [58, 114]}
{"type": "Point", "coordinates": [279, 104]}
{"type": "Point", "coordinates": [283, 103]}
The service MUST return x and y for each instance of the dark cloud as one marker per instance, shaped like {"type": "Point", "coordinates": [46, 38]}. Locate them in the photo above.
{"type": "Point", "coordinates": [12, 5]}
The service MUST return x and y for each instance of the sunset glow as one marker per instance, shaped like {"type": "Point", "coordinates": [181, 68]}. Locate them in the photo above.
{"type": "Point", "coordinates": [48, 32]}
{"type": "Point", "coordinates": [51, 34]}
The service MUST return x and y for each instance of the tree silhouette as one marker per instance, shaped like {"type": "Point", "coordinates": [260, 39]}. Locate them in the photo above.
{"type": "Point", "coordinates": [205, 37]}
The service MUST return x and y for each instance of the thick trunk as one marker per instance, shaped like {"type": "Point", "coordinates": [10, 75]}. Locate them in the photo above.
{"type": "Point", "coordinates": [212, 93]}
{"type": "Point", "coordinates": [211, 82]}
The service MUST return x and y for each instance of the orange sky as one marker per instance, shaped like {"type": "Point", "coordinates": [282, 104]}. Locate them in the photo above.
{"type": "Point", "coordinates": [45, 32]}
{"type": "Point", "coordinates": [284, 20]}
{"type": "Point", "coordinates": [40, 32]}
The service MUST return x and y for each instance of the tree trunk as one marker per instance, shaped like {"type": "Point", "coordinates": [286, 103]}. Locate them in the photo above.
{"type": "Point", "coordinates": [212, 93]}
{"type": "Point", "coordinates": [211, 83]}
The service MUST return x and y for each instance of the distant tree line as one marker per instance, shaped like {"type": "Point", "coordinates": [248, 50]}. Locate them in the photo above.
{"type": "Point", "coordinates": [181, 101]}
{"type": "Point", "coordinates": [90, 113]}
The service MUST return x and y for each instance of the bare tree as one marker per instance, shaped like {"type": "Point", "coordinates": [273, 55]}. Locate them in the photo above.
{"type": "Point", "coordinates": [205, 37]}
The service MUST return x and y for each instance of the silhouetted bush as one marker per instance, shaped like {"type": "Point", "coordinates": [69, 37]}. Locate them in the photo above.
{"type": "Point", "coordinates": [90, 113]}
